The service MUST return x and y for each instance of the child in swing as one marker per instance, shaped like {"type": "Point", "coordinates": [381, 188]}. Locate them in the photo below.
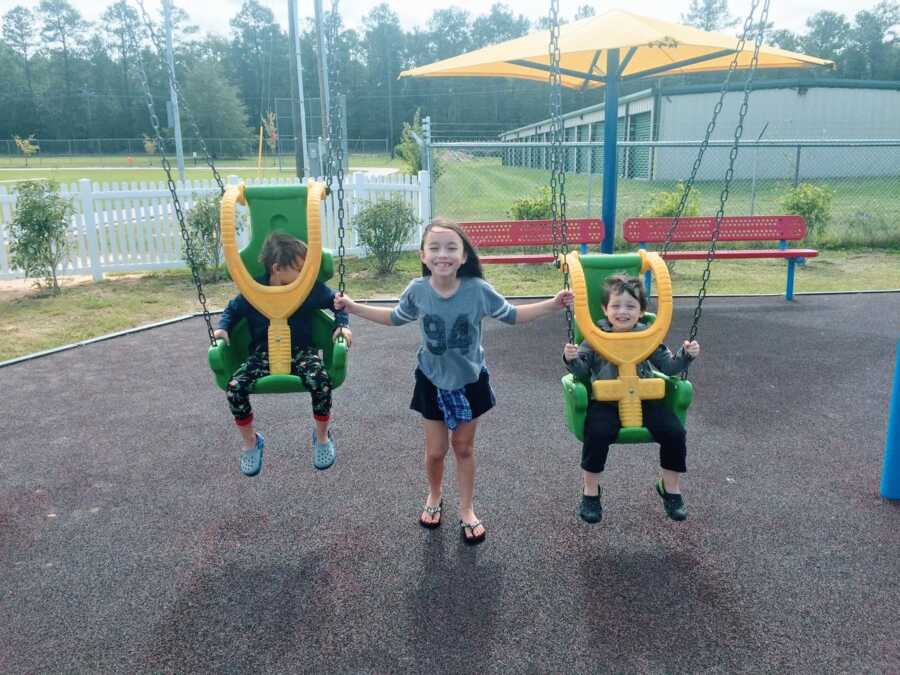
{"type": "Point", "coordinates": [452, 386]}
{"type": "Point", "coordinates": [283, 257]}
{"type": "Point", "coordinates": [624, 303]}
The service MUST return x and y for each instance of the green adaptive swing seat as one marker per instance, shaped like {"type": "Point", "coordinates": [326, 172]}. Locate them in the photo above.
{"type": "Point", "coordinates": [679, 392]}
{"type": "Point", "coordinates": [283, 208]}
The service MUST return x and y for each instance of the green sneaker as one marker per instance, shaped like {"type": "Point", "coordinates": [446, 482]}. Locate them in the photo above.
{"type": "Point", "coordinates": [674, 504]}
{"type": "Point", "coordinates": [591, 510]}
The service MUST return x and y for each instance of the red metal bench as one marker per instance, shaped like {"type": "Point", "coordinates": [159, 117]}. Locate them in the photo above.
{"type": "Point", "coordinates": [513, 233]}
{"type": "Point", "coordinates": [643, 231]}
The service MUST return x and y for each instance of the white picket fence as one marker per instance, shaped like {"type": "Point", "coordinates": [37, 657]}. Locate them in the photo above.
{"type": "Point", "coordinates": [119, 227]}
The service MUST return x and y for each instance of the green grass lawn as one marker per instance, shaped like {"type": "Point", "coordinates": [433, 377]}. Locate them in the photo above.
{"type": "Point", "coordinates": [115, 168]}
{"type": "Point", "coordinates": [30, 323]}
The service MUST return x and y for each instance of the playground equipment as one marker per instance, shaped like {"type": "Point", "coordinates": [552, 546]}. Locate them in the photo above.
{"type": "Point", "coordinates": [294, 209]}
{"type": "Point", "coordinates": [622, 349]}
{"type": "Point", "coordinates": [890, 474]}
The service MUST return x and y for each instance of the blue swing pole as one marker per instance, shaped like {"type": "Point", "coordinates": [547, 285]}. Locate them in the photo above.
{"type": "Point", "coordinates": [610, 165]}
{"type": "Point", "coordinates": [890, 474]}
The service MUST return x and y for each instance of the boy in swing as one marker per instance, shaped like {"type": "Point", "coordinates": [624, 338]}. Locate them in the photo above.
{"type": "Point", "coordinates": [624, 303]}
{"type": "Point", "coordinates": [283, 257]}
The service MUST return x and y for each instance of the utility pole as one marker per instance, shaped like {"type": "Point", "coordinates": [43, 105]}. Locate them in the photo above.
{"type": "Point", "coordinates": [301, 154]}
{"type": "Point", "coordinates": [387, 67]}
{"type": "Point", "coordinates": [323, 71]}
{"type": "Point", "coordinates": [173, 95]}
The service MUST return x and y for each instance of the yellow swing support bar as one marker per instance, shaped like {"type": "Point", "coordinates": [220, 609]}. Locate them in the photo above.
{"type": "Point", "coordinates": [277, 303]}
{"type": "Point", "coordinates": [626, 350]}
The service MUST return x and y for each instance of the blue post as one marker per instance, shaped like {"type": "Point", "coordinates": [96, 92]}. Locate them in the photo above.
{"type": "Point", "coordinates": [610, 163]}
{"type": "Point", "coordinates": [648, 276]}
{"type": "Point", "coordinates": [890, 474]}
{"type": "Point", "coordinates": [789, 291]}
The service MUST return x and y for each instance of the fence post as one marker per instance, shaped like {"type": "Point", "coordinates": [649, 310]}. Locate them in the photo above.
{"type": "Point", "coordinates": [424, 197]}
{"type": "Point", "coordinates": [797, 168]}
{"type": "Point", "coordinates": [890, 474]}
{"type": "Point", "coordinates": [90, 226]}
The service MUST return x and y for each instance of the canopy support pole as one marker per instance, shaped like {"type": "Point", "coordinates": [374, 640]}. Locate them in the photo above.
{"type": "Point", "coordinates": [610, 165]}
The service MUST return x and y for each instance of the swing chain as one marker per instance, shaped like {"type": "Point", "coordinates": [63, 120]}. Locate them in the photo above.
{"type": "Point", "coordinates": [335, 136]}
{"type": "Point", "coordinates": [558, 223]}
{"type": "Point", "coordinates": [679, 212]}
{"type": "Point", "coordinates": [181, 99]}
{"type": "Point", "coordinates": [729, 174]}
{"type": "Point", "coordinates": [189, 248]}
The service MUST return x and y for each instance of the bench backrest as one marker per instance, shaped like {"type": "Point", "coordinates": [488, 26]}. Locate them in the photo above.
{"type": "Point", "coordinates": [701, 228]}
{"type": "Point", "coordinates": [502, 233]}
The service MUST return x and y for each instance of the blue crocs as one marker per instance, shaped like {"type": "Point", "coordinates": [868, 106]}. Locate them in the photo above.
{"type": "Point", "coordinates": [251, 460]}
{"type": "Point", "coordinates": [323, 453]}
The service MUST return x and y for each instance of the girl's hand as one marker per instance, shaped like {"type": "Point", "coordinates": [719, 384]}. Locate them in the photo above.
{"type": "Point", "coordinates": [218, 333]}
{"type": "Point", "coordinates": [692, 349]}
{"type": "Point", "coordinates": [570, 352]}
{"type": "Point", "coordinates": [565, 298]}
{"type": "Point", "coordinates": [344, 332]}
{"type": "Point", "coordinates": [343, 302]}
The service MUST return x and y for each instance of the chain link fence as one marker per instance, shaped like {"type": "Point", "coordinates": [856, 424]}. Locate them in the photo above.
{"type": "Point", "coordinates": [482, 181]}
{"type": "Point", "coordinates": [116, 151]}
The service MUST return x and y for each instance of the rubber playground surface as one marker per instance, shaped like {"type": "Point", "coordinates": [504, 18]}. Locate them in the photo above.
{"type": "Point", "coordinates": [130, 542]}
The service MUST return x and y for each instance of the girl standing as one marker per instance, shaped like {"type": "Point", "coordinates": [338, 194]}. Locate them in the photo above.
{"type": "Point", "coordinates": [452, 385]}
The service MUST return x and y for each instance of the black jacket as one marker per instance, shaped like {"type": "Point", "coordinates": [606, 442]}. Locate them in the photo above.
{"type": "Point", "coordinates": [300, 322]}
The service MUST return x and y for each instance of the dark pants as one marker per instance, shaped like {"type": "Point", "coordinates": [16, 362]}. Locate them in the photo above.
{"type": "Point", "coordinates": [305, 363]}
{"type": "Point", "coordinates": [601, 426]}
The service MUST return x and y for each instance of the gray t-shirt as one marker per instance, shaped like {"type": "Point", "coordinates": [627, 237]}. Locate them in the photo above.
{"type": "Point", "coordinates": [451, 355]}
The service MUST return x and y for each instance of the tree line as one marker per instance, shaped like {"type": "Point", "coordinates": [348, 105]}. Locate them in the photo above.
{"type": "Point", "coordinates": [63, 77]}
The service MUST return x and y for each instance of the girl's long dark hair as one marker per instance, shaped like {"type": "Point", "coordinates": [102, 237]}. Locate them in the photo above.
{"type": "Point", "coordinates": [472, 266]}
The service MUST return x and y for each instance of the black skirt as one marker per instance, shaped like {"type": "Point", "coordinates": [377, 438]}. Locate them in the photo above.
{"type": "Point", "coordinates": [479, 393]}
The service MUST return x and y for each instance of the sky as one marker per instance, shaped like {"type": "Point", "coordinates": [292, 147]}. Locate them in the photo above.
{"type": "Point", "coordinates": [214, 16]}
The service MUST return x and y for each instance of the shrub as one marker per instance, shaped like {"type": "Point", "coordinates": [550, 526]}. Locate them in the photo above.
{"type": "Point", "coordinates": [202, 223]}
{"type": "Point", "coordinates": [39, 235]}
{"type": "Point", "coordinates": [534, 207]}
{"type": "Point", "coordinates": [813, 203]}
{"type": "Point", "coordinates": [665, 204]}
{"type": "Point", "coordinates": [384, 227]}
{"type": "Point", "coordinates": [411, 152]}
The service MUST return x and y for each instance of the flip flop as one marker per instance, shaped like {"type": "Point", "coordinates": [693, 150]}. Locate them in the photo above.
{"type": "Point", "coordinates": [471, 541]}
{"type": "Point", "coordinates": [432, 511]}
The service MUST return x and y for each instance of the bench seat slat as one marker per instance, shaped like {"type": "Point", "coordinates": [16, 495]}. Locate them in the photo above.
{"type": "Point", "coordinates": [744, 254]}
{"type": "Point", "coordinates": [525, 258]}
{"type": "Point", "coordinates": [513, 233]}
{"type": "Point", "coordinates": [701, 228]}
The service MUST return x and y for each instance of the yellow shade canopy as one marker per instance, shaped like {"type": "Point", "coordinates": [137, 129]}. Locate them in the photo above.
{"type": "Point", "coordinates": [648, 46]}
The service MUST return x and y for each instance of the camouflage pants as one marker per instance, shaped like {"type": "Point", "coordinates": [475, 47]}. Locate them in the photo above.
{"type": "Point", "coordinates": [305, 364]}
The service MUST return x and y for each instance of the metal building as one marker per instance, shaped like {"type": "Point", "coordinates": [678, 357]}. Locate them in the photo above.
{"type": "Point", "coordinates": [796, 109]}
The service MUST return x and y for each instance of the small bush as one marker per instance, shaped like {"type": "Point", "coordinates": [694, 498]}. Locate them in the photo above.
{"type": "Point", "coordinates": [39, 235]}
{"type": "Point", "coordinates": [383, 229]}
{"type": "Point", "coordinates": [202, 223]}
{"type": "Point", "coordinates": [534, 207]}
{"type": "Point", "coordinates": [665, 204]}
{"type": "Point", "coordinates": [411, 153]}
{"type": "Point", "coordinates": [814, 204]}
